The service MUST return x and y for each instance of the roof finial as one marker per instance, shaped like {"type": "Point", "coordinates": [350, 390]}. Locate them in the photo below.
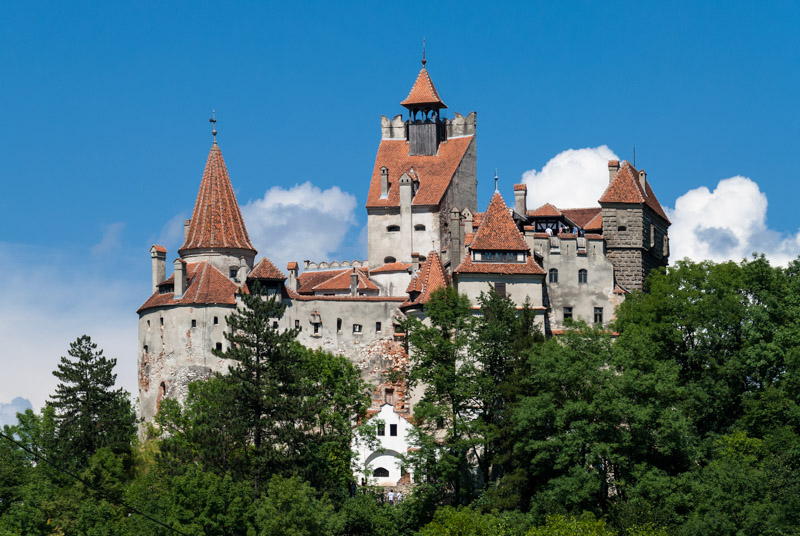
{"type": "Point", "coordinates": [495, 181]}
{"type": "Point", "coordinates": [213, 122]}
{"type": "Point", "coordinates": [424, 61]}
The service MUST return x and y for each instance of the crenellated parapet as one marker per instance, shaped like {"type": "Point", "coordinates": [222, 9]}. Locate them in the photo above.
{"type": "Point", "coordinates": [324, 265]}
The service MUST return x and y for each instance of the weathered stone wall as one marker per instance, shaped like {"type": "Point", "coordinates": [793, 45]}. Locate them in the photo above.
{"type": "Point", "coordinates": [382, 243]}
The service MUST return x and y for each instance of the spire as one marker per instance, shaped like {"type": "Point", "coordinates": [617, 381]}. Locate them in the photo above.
{"type": "Point", "coordinates": [216, 220]}
{"type": "Point", "coordinates": [495, 181]}
{"type": "Point", "coordinates": [213, 122]}
{"type": "Point", "coordinates": [423, 94]}
{"type": "Point", "coordinates": [498, 230]}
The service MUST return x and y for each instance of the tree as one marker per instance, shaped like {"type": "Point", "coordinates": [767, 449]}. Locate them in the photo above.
{"type": "Point", "coordinates": [90, 413]}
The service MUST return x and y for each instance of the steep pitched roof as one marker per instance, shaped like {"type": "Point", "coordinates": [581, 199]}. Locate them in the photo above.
{"type": "Point", "coordinates": [206, 285]}
{"type": "Point", "coordinates": [342, 282]}
{"type": "Point", "coordinates": [266, 270]}
{"type": "Point", "coordinates": [434, 172]}
{"type": "Point", "coordinates": [529, 267]}
{"type": "Point", "coordinates": [581, 216]}
{"type": "Point", "coordinates": [431, 277]}
{"type": "Point", "coordinates": [423, 92]}
{"type": "Point", "coordinates": [595, 223]}
{"type": "Point", "coordinates": [216, 219]}
{"type": "Point", "coordinates": [308, 280]}
{"type": "Point", "coordinates": [626, 188]}
{"type": "Point", "coordinates": [546, 210]}
{"type": "Point", "coordinates": [497, 230]}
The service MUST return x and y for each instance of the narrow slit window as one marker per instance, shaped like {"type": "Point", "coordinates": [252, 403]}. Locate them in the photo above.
{"type": "Point", "coordinates": [194, 323]}
{"type": "Point", "coordinates": [216, 320]}
{"type": "Point", "coordinates": [377, 327]}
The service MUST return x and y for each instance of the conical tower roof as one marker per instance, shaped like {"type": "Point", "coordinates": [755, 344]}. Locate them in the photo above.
{"type": "Point", "coordinates": [497, 230]}
{"type": "Point", "coordinates": [423, 93]}
{"type": "Point", "coordinates": [216, 220]}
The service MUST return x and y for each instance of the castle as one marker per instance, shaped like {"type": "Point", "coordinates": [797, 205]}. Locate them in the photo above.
{"type": "Point", "coordinates": [424, 232]}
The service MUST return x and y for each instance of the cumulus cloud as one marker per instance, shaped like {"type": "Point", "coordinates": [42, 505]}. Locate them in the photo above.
{"type": "Point", "coordinates": [9, 410]}
{"type": "Point", "coordinates": [728, 223]}
{"type": "Point", "coordinates": [301, 222]}
{"type": "Point", "coordinates": [571, 179]}
{"type": "Point", "coordinates": [48, 302]}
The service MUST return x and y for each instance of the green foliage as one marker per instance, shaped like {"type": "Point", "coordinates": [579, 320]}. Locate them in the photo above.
{"type": "Point", "coordinates": [291, 508]}
{"type": "Point", "coordinates": [462, 521]}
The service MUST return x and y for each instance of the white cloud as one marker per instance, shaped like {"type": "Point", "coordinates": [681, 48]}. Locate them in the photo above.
{"type": "Point", "coordinates": [729, 223]}
{"type": "Point", "coordinates": [573, 178]}
{"type": "Point", "coordinates": [49, 301]}
{"type": "Point", "coordinates": [8, 411]}
{"type": "Point", "coordinates": [171, 235]}
{"type": "Point", "coordinates": [302, 222]}
{"type": "Point", "coordinates": [111, 241]}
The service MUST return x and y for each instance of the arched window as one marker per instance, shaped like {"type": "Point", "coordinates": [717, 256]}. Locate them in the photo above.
{"type": "Point", "coordinates": [380, 472]}
{"type": "Point", "coordinates": [419, 227]}
{"type": "Point", "coordinates": [389, 260]}
{"type": "Point", "coordinates": [553, 275]}
{"type": "Point", "coordinates": [583, 276]}
{"type": "Point", "coordinates": [392, 228]}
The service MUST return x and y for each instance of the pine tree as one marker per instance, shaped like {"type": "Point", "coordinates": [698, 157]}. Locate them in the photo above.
{"type": "Point", "coordinates": [90, 413]}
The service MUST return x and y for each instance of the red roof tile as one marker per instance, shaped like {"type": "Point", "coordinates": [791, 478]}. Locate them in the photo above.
{"type": "Point", "coordinates": [581, 216]}
{"type": "Point", "coordinates": [216, 220]}
{"type": "Point", "coordinates": [521, 187]}
{"type": "Point", "coordinates": [435, 172]}
{"type": "Point", "coordinates": [497, 230]}
{"type": "Point", "coordinates": [423, 92]}
{"type": "Point", "coordinates": [343, 297]}
{"type": "Point", "coordinates": [502, 268]}
{"type": "Point", "coordinates": [308, 280]}
{"type": "Point", "coordinates": [626, 188]}
{"type": "Point", "coordinates": [266, 270]}
{"type": "Point", "coordinates": [207, 285]}
{"type": "Point", "coordinates": [291, 266]}
{"type": "Point", "coordinates": [415, 285]}
{"type": "Point", "coordinates": [342, 282]}
{"type": "Point", "coordinates": [546, 210]}
{"type": "Point", "coordinates": [160, 249]}
{"type": "Point", "coordinates": [391, 267]}
{"type": "Point", "coordinates": [596, 223]}
{"type": "Point", "coordinates": [430, 278]}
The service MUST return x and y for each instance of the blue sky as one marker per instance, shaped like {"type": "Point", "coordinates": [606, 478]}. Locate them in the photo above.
{"type": "Point", "coordinates": [105, 132]}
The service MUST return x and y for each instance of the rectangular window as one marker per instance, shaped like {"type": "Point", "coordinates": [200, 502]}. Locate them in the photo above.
{"type": "Point", "coordinates": [652, 236]}
{"type": "Point", "coordinates": [567, 313]}
{"type": "Point", "coordinates": [161, 320]}
{"type": "Point", "coordinates": [297, 324]}
{"type": "Point", "coordinates": [388, 396]}
{"type": "Point", "coordinates": [381, 429]}
{"type": "Point", "coordinates": [194, 323]}
{"type": "Point", "coordinates": [219, 346]}
{"type": "Point", "coordinates": [598, 315]}
{"type": "Point", "coordinates": [377, 327]}
{"type": "Point", "coordinates": [216, 320]}
{"type": "Point", "coordinates": [274, 324]}
{"type": "Point", "coordinates": [356, 328]}
{"type": "Point", "coordinates": [316, 328]}
{"type": "Point", "coordinates": [500, 289]}
{"type": "Point", "coordinates": [338, 325]}
{"type": "Point", "coordinates": [393, 430]}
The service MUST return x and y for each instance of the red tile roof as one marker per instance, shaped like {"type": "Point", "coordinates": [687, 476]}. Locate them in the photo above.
{"type": "Point", "coordinates": [343, 297]}
{"type": "Point", "coordinates": [207, 285]}
{"type": "Point", "coordinates": [626, 188]}
{"type": "Point", "coordinates": [497, 230]}
{"type": "Point", "coordinates": [503, 268]}
{"type": "Point", "coordinates": [596, 223]}
{"type": "Point", "coordinates": [266, 270]}
{"type": "Point", "coordinates": [160, 249]}
{"type": "Point", "coordinates": [423, 92]}
{"type": "Point", "coordinates": [391, 267]}
{"type": "Point", "coordinates": [291, 266]}
{"type": "Point", "coordinates": [521, 187]}
{"type": "Point", "coordinates": [581, 216]}
{"type": "Point", "coordinates": [308, 280]}
{"type": "Point", "coordinates": [546, 210]}
{"type": "Point", "coordinates": [430, 278]}
{"type": "Point", "coordinates": [342, 282]}
{"type": "Point", "coordinates": [415, 285]}
{"type": "Point", "coordinates": [216, 220]}
{"type": "Point", "coordinates": [435, 172]}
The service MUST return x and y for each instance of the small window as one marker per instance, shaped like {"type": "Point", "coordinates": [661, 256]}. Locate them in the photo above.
{"type": "Point", "coordinates": [500, 289]}
{"type": "Point", "coordinates": [216, 320]}
{"type": "Point", "coordinates": [393, 430]}
{"type": "Point", "coordinates": [598, 315]}
{"type": "Point", "coordinates": [380, 472]}
{"type": "Point", "coordinates": [388, 396]}
{"type": "Point", "coordinates": [297, 324]}
{"type": "Point", "coordinates": [274, 324]}
{"type": "Point", "coordinates": [381, 429]}
{"type": "Point", "coordinates": [622, 228]}
{"type": "Point", "coordinates": [583, 276]}
{"type": "Point", "coordinates": [389, 260]}
{"type": "Point", "coordinates": [567, 313]}
{"type": "Point", "coordinates": [356, 328]}
{"type": "Point", "coordinates": [233, 272]}
{"type": "Point", "coordinates": [219, 346]}
{"type": "Point", "coordinates": [145, 348]}
{"type": "Point", "coordinates": [666, 246]}
{"type": "Point", "coordinates": [652, 236]}
{"type": "Point", "coordinates": [148, 324]}
{"type": "Point", "coordinates": [439, 423]}
{"type": "Point", "coordinates": [161, 320]}
{"type": "Point", "coordinates": [553, 275]}
{"type": "Point", "coordinates": [316, 328]}
{"type": "Point", "coordinates": [419, 227]}
{"type": "Point", "coordinates": [392, 228]}
{"type": "Point", "coordinates": [194, 323]}
{"type": "Point", "coordinates": [377, 327]}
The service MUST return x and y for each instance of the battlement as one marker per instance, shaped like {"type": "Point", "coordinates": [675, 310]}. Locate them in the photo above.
{"type": "Point", "coordinates": [325, 265]}
{"type": "Point", "coordinates": [396, 128]}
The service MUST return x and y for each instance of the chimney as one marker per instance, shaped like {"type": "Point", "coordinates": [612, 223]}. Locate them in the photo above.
{"type": "Point", "coordinates": [158, 254]}
{"type": "Point", "coordinates": [643, 181]}
{"type": "Point", "coordinates": [241, 275]}
{"type": "Point", "coordinates": [613, 167]}
{"type": "Point", "coordinates": [414, 262]}
{"type": "Point", "coordinates": [455, 238]}
{"type": "Point", "coordinates": [384, 182]}
{"type": "Point", "coordinates": [291, 283]}
{"type": "Point", "coordinates": [180, 278]}
{"type": "Point", "coordinates": [186, 225]}
{"type": "Point", "coordinates": [405, 190]}
{"type": "Point", "coordinates": [467, 222]}
{"type": "Point", "coordinates": [520, 199]}
{"type": "Point", "coordinates": [354, 283]}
